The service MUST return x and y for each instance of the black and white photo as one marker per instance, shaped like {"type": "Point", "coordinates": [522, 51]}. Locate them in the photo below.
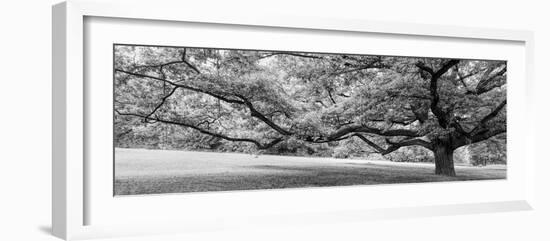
{"type": "Point", "coordinates": [191, 119]}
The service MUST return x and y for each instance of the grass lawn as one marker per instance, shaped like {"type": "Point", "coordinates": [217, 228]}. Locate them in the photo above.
{"type": "Point", "coordinates": [139, 171]}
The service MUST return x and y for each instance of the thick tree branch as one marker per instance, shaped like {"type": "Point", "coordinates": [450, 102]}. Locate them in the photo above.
{"type": "Point", "coordinates": [484, 135]}
{"type": "Point", "coordinates": [376, 147]}
{"type": "Point", "coordinates": [260, 145]}
{"type": "Point", "coordinates": [393, 146]}
{"type": "Point", "coordinates": [441, 115]}
{"type": "Point", "coordinates": [458, 127]}
{"type": "Point", "coordinates": [243, 100]}
{"type": "Point", "coordinates": [223, 97]}
{"type": "Point", "coordinates": [409, 142]}
{"type": "Point", "coordinates": [423, 67]}
{"type": "Point", "coordinates": [485, 85]}
{"type": "Point", "coordinates": [483, 122]}
{"type": "Point", "coordinates": [463, 78]}
{"type": "Point", "coordinates": [481, 132]}
{"type": "Point", "coordinates": [493, 113]}
{"type": "Point", "coordinates": [364, 129]}
{"type": "Point", "coordinates": [445, 67]}
{"type": "Point", "coordinates": [255, 113]}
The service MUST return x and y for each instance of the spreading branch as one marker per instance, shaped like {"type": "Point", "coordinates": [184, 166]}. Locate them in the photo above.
{"type": "Point", "coordinates": [260, 145]}
{"type": "Point", "coordinates": [257, 114]}
{"type": "Point", "coordinates": [486, 134]}
{"type": "Point", "coordinates": [483, 123]}
{"type": "Point", "coordinates": [371, 130]}
{"type": "Point", "coordinates": [242, 100]}
{"type": "Point", "coordinates": [487, 84]}
{"type": "Point", "coordinates": [221, 96]}
{"type": "Point", "coordinates": [441, 115]}
{"type": "Point", "coordinates": [393, 146]}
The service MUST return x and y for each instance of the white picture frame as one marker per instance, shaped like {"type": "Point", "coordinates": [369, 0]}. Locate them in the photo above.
{"type": "Point", "coordinates": [72, 189]}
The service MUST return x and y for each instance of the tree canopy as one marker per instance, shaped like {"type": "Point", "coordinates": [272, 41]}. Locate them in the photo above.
{"type": "Point", "coordinates": [265, 100]}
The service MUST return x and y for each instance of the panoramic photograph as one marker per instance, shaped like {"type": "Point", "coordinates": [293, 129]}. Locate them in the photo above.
{"type": "Point", "coordinates": [190, 119]}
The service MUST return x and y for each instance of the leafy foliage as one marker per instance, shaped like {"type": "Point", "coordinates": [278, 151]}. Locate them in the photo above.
{"type": "Point", "coordinates": [305, 103]}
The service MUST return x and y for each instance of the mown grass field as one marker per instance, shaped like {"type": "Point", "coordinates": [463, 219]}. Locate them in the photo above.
{"type": "Point", "coordinates": [139, 171]}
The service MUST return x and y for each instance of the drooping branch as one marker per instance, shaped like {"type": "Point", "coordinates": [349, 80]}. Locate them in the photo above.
{"type": "Point", "coordinates": [393, 146]}
{"type": "Point", "coordinates": [408, 142]}
{"type": "Point", "coordinates": [370, 130]}
{"type": "Point", "coordinates": [257, 114]}
{"type": "Point", "coordinates": [224, 97]}
{"type": "Point", "coordinates": [260, 145]}
{"type": "Point", "coordinates": [370, 143]}
{"type": "Point", "coordinates": [221, 96]}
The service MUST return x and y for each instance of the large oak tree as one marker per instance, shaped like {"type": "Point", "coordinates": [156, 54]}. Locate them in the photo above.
{"type": "Point", "coordinates": [267, 98]}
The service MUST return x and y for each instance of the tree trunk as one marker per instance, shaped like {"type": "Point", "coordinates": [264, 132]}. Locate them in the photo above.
{"type": "Point", "coordinates": [443, 153]}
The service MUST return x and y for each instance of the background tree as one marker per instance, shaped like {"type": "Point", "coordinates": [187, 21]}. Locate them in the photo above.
{"type": "Point", "coordinates": [275, 101]}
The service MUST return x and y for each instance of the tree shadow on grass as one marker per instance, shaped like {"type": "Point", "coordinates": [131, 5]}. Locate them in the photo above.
{"type": "Point", "coordinates": [294, 176]}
